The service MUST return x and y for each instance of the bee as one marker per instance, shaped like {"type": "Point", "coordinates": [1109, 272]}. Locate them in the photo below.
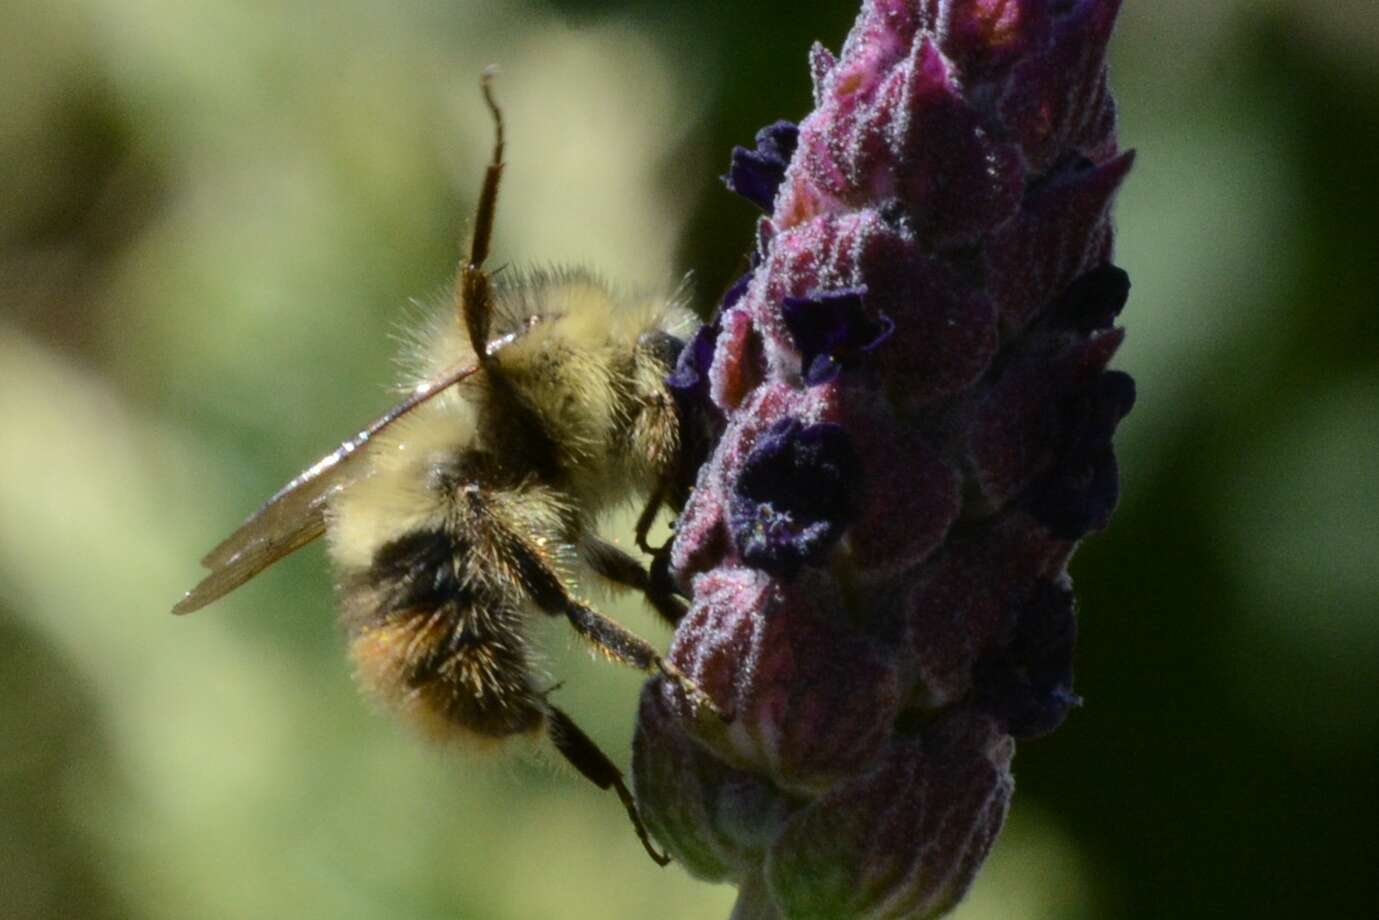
{"type": "Point", "coordinates": [470, 506]}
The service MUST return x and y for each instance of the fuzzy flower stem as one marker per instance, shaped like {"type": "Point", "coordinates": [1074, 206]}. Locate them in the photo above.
{"type": "Point", "coordinates": [910, 418]}
{"type": "Point", "coordinates": [754, 900]}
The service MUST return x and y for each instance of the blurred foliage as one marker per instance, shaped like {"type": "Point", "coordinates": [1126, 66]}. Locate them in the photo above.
{"type": "Point", "coordinates": [211, 215]}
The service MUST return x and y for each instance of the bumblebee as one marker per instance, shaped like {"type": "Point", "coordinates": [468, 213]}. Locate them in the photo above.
{"type": "Point", "coordinates": [469, 507]}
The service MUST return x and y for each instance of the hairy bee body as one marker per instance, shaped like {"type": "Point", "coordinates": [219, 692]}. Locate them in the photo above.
{"type": "Point", "coordinates": [536, 404]}
{"type": "Point", "coordinates": [479, 509]}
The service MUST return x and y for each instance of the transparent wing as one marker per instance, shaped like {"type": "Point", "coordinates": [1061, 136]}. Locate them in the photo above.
{"type": "Point", "coordinates": [296, 514]}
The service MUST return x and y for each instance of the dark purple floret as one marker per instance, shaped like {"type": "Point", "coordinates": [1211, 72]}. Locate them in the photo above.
{"type": "Point", "coordinates": [831, 328]}
{"type": "Point", "coordinates": [689, 379]}
{"type": "Point", "coordinates": [1028, 686]}
{"type": "Point", "coordinates": [794, 495]}
{"type": "Point", "coordinates": [700, 419]}
{"type": "Point", "coordinates": [757, 174]}
{"type": "Point", "coordinates": [1094, 300]}
{"type": "Point", "coordinates": [735, 291]}
{"type": "Point", "coordinates": [1080, 493]}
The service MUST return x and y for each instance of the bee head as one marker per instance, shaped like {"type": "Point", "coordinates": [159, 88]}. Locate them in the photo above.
{"type": "Point", "coordinates": [662, 347]}
{"type": "Point", "coordinates": [654, 435]}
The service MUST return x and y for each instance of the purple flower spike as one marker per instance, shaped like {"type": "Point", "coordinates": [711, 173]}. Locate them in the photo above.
{"type": "Point", "coordinates": [913, 414]}
{"type": "Point", "coordinates": [757, 174]}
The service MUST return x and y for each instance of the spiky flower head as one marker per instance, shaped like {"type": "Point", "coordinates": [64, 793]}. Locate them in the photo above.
{"type": "Point", "coordinates": [913, 423]}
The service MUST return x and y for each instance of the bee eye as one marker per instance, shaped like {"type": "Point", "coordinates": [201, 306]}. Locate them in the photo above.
{"type": "Point", "coordinates": [663, 346]}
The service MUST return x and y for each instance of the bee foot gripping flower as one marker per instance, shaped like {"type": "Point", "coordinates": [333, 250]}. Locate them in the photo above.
{"type": "Point", "coordinates": [912, 420]}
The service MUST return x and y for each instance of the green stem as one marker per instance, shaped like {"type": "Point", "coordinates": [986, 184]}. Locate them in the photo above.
{"type": "Point", "coordinates": [753, 900]}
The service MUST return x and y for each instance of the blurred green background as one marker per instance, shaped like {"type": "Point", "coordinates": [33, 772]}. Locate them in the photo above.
{"type": "Point", "coordinates": [211, 217]}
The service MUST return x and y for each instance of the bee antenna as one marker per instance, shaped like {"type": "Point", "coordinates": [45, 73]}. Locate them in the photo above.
{"type": "Point", "coordinates": [488, 198]}
{"type": "Point", "coordinates": [474, 292]}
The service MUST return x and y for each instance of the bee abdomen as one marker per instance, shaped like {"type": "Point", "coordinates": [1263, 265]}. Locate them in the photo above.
{"type": "Point", "coordinates": [441, 641]}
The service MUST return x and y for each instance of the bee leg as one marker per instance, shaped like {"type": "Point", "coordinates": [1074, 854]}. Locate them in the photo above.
{"type": "Point", "coordinates": [661, 589]}
{"type": "Point", "coordinates": [548, 593]}
{"type": "Point", "coordinates": [584, 755]}
{"type": "Point", "coordinates": [617, 566]}
{"type": "Point", "coordinates": [662, 584]}
{"type": "Point", "coordinates": [621, 644]}
{"type": "Point", "coordinates": [472, 289]}
{"type": "Point", "coordinates": [648, 517]}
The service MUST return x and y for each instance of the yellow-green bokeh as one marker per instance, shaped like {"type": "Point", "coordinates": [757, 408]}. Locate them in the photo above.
{"type": "Point", "coordinates": [212, 217]}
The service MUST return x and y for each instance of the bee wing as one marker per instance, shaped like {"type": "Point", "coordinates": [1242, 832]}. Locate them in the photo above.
{"type": "Point", "coordinates": [296, 514]}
